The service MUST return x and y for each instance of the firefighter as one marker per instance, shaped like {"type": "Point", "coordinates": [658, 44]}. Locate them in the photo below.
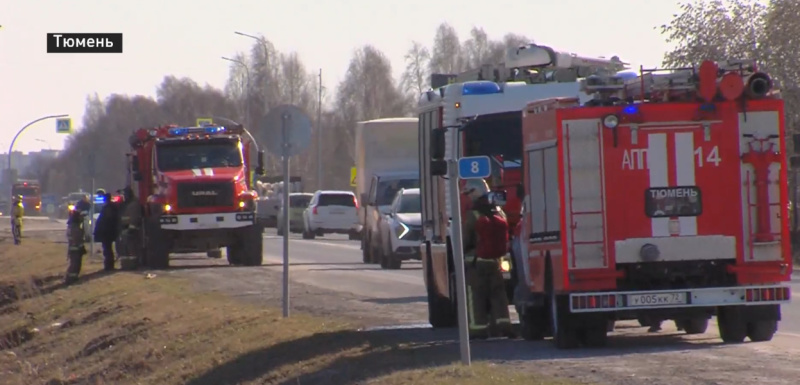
{"type": "Point", "coordinates": [83, 204]}
{"type": "Point", "coordinates": [76, 248]}
{"type": "Point", "coordinates": [485, 235]}
{"type": "Point", "coordinates": [106, 230]}
{"type": "Point", "coordinates": [130, 221]}
{"type": "Point", "coordinates": [17, 212]}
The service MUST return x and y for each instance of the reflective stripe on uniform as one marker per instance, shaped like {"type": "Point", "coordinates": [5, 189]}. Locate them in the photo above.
{"type": "Point", "coordinates": [471, 324]}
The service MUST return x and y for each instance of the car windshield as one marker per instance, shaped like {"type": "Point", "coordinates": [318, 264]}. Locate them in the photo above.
{"type": "Point", "coordinates": [25, 191]}
{"type": "Point", "coordinates": [192, 155]}
{"type": "Point", "coordinates": [300, 201]}
{"type": "Point", "coordinates": [387, 189]}
{"type": "Point", "coordinates": [410, 204]}
{"type": "Point", "coordinates": [337, 200]}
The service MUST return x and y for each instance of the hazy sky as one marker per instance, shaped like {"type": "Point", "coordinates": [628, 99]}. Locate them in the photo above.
{"type": "Point", "coordinates": [187, 38]}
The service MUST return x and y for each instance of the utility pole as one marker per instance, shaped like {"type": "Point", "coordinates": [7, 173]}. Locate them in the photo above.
{"type": "Point", "coordinates": [319, 134]}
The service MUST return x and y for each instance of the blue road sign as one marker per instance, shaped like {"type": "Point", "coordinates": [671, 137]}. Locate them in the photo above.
{"type": "Point", "coordinates": [64, 126]}
{"type": "Point", "coordinates": [474, 167]}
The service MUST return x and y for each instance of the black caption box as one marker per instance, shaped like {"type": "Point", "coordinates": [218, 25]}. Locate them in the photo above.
{"type": "Point", "coordinates": [84, 43]}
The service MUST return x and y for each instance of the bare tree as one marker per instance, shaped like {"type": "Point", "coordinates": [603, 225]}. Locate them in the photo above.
{"type": "Point", "coordinates": [415, 76]}
{"type": "Point", "coordinates": [477, 50]}
{"type": "Point", "coordinates": [446, 52]}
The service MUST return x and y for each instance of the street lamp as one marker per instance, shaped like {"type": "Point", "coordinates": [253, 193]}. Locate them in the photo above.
{"type": "Point", "coordinates": [263, 43]}
{"type": "Point", "coordinates": [21, 130]}
{"type": "Point", "coordinates": [246, 86]}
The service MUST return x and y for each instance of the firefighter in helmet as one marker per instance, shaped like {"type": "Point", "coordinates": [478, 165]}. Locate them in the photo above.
{"type": "Point", "coordinates": [485, 237]}
{"type": "Point", "coordinates": [17, 212]}
{"type": "Point", "coordinates": [76, 248]}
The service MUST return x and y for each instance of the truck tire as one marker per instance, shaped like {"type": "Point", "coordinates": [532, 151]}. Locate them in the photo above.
{"type": "Point", "coordinates": [364, 251]}
{"type": "Point", "coordinates": [441, 310]}
{"type": "Point", "coordinates": [732, 327]}
{"type": "Point", "coordinates": [532, 323]}
{"type": "Point", "coordinates": [156, 247]}
{"type": "Point", "coordinates": [762, 331]}
{"type": "Point", "coordinates": [234, 254]}
{"type": "Point", "coordinates": [693, 325]}
{"type": "Point", "coordinates": [564, 335]}
{"type": "Point", "coordinates": [252, 247]}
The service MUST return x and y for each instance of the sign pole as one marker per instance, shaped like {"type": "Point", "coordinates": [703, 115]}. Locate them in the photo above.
{"type": "Point", "coordinates": [91, 221]}
{"type": "Point", "coordinates": [458, 259]}
{"type": "Point", "coordinates": [285, 214]}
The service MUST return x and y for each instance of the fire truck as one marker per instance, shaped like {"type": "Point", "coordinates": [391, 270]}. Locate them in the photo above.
{"type": "Point", "coordinates": [662, 198]}
{"type": "Point", "coordinates": [494, 111]}
{"type": "Point", "coordinates": [31, 194]}
{"type": "Point", "coordinates": [194, 186]}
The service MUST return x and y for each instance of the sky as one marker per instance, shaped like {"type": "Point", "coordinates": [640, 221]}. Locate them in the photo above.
{"type": "Point", "coordinates": [188, 37]}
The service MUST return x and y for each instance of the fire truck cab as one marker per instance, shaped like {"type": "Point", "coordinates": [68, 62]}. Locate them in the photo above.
{"type": "Point", "coordinates": [194, 184]}
{"type": "Point", "coordinates": [473, 116]}
{"type": "Point", "coordinates": [662, 198]}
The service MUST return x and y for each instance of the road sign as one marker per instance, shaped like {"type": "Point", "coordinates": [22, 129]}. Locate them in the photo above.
{"type": "Point", "coordinates": [474, 167]}
{"type": "Point", "coordinates": [297, 125]}
{"type": "Point", "coordinates": [204, 122]}
{"type": "Point", "coordinates": [64, 126]}
{"type": "Point", "coordinates": [353, 174]}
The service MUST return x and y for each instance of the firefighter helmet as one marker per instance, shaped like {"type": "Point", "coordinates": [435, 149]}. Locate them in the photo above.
{"type": "Point", "coordinates": [475, 188]}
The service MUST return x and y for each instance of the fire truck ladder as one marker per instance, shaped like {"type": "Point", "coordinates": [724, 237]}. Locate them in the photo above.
{"type": "Point", "coordinates": [574, 224]}
{"type": "Point", "coordinates": [541, 64]}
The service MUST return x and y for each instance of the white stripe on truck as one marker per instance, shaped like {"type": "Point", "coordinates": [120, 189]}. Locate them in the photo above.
{"type": "Point", "coordinates": [657, 165]}
{"type": "Point", "coordinates": [684, 172]}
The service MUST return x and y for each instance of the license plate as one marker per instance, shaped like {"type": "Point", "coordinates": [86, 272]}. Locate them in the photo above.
{"type": "Point", "coordinates": [636, 300]}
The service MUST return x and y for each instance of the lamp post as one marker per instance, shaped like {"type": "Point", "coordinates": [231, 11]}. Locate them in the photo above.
{"type": "Point", "coordinates": [21, 130]}
{"type": "Point", "coordinates": [263, 43]}
{"type": "Point", "coordinates": [246, 86]}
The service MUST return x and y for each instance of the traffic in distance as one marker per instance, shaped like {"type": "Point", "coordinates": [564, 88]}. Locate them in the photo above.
{"type": "Point", "coordinates": [588, 194]}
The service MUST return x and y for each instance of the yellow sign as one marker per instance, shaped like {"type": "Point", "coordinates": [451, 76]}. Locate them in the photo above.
{"type": "Point", "coordinates": [352, 176]}
{"type": "Point", "coordinates": [204, 122]}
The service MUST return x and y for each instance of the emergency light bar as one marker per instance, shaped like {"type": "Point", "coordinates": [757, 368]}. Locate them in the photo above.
{"type": "Point", "coordinates": [179, 131]}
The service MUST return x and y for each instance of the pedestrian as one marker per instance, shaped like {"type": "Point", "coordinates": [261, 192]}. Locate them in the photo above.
{"type": "Point", "coordinates": [76, 248]}
{"type": "Point", "coordinates": [106, 230]}
{"type": "Point", "coordinates": [17, 212]}
{"type": "Point", "coordinates": [130, 224]}
{"type": "Point", "coordinates": [83, 204]}
{"type": "Point", "coordinates": [485, 234]}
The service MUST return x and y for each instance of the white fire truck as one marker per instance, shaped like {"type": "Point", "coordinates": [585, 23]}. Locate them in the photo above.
{"type": "Point", "coordinates": [663, 198]}
{"type": "Point", "coordinates": [494, 108]}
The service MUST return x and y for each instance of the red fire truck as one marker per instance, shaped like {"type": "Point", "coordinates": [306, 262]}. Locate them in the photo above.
{"type": "Point", "coordinates": [494, 109]}
{"type": "Point", "coordinates": [663, 198]}
{"type": "Point", "coordinates": [31, 194]}
{"type": "Point", "coordinates": [194, 185]}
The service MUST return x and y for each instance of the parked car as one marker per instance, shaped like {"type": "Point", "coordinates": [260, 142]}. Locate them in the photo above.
{"type": "Point", "coordinates": [298, 202]}
{"type": "Point", "coordinates": [331, 212]}
{"type": "Point", "coordinates": [401, 230]}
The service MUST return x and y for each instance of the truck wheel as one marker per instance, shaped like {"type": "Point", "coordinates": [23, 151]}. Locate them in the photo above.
{"type": "Point", "coordinates": [216, 253]}
{"type": "Point", "coordinates": [595, 334]}
{"type": "Point", "coordinates": [532, 323]}
{"type": "Point", "coordinates": [693, 325]}
{"type": "Point", "coordinates": [364, 251]}
{"type": "Point", "coordinates": [564, 335]}
{"type": "Point", "coordinates": [252, 247]}
{"type": "Point", "coordinates": [762, 331]}
{"type": "Point", "coordinates": [441, 310]}
{"type": "Point", "coordinates": [234, 255]}
{"type": "Point", "coordinates": [308, 234]}
{"type": "Point", "coordinates": [732, 328]}
{"type": "Point", "coordinates": [157, 248]}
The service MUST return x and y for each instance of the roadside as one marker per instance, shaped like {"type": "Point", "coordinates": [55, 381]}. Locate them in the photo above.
{"type": "Point", "coordinates": [152, 328]}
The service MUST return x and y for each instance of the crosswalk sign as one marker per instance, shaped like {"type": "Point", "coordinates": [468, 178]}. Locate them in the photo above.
{"type": "Point", "coordinates": [352, 176]}
{"type": "Point", "coordinates": [64, 126]}
{"type": "Point", "coordinates": [204, 122]}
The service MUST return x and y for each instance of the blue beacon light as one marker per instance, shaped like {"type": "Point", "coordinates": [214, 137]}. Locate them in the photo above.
{"type": "Point", "coordinates": [178, 131]}
{"type": "Point", "coordinates": [480, 87]}
{"type": "Point", "coordinates": [214, 130]}
{"type": "Point", "coordinates": [631, 109]}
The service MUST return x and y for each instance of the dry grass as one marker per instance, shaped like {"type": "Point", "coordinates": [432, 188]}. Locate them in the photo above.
{"type": "Point", "coordinates": [126, 328]}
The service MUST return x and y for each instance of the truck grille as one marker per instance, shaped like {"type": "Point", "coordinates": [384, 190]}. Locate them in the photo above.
{"type": "Point", "coordinates": [208, 194]}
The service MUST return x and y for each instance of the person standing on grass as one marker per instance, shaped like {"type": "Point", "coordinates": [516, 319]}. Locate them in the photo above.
{"type": "Point", "coordinates": [106, 230]}
{"type": "Point", "coordinates": [76, 248]}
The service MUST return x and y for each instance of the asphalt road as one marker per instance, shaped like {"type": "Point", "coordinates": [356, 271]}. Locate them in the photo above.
{"type": "Point", "coordinates": [334, 263]}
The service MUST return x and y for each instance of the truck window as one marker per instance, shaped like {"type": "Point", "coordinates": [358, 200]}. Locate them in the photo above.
{"type": "Point", "coordinates": [25, 191]}
{"type": "Point", "coordinates": [683, 201]}
{"type": "Point", "coordinates": [387, 189]}
{"type": "Point", "coordinates": [336, 200]}
{"type": "Point", "coordinates": [410, 204]}
{"type": "Point", "coordinates": [188, 155]}
{"type": "Point", "coordinates": [481, 137]}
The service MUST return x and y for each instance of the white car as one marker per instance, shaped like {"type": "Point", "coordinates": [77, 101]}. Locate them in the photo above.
{"type": "Point", "coordinates": [401, 230]}
{"type": "Point", "coordinates": [331, 212]}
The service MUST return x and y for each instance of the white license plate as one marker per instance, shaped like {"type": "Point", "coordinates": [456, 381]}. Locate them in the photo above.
{"type": "Point", "coordinates": [636, 300]}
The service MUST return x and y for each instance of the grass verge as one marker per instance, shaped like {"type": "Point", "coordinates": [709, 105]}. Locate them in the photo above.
{"type": "Point", "coordinates": [134, 328]}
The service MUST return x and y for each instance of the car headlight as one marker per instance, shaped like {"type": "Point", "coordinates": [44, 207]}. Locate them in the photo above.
{"type": "Point", "coordinates": [71, 207]}
{"type": "Point", "coordinates": [401, 230]}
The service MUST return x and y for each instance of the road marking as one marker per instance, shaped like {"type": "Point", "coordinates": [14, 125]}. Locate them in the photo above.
{"type": "Point", "coordinates": [314, 242]}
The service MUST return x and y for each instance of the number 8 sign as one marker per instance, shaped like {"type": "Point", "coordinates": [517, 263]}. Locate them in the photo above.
{"type": "Point", "coordinates": [474, 167]}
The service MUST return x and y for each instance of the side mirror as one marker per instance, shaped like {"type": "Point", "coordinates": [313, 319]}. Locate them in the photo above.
{"type": "Point", "coordinates": [438, 143]}
{"type": "Point", "coordinates": [438, 167]}
{"type": "Point", "coordinates": [260, 167]}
